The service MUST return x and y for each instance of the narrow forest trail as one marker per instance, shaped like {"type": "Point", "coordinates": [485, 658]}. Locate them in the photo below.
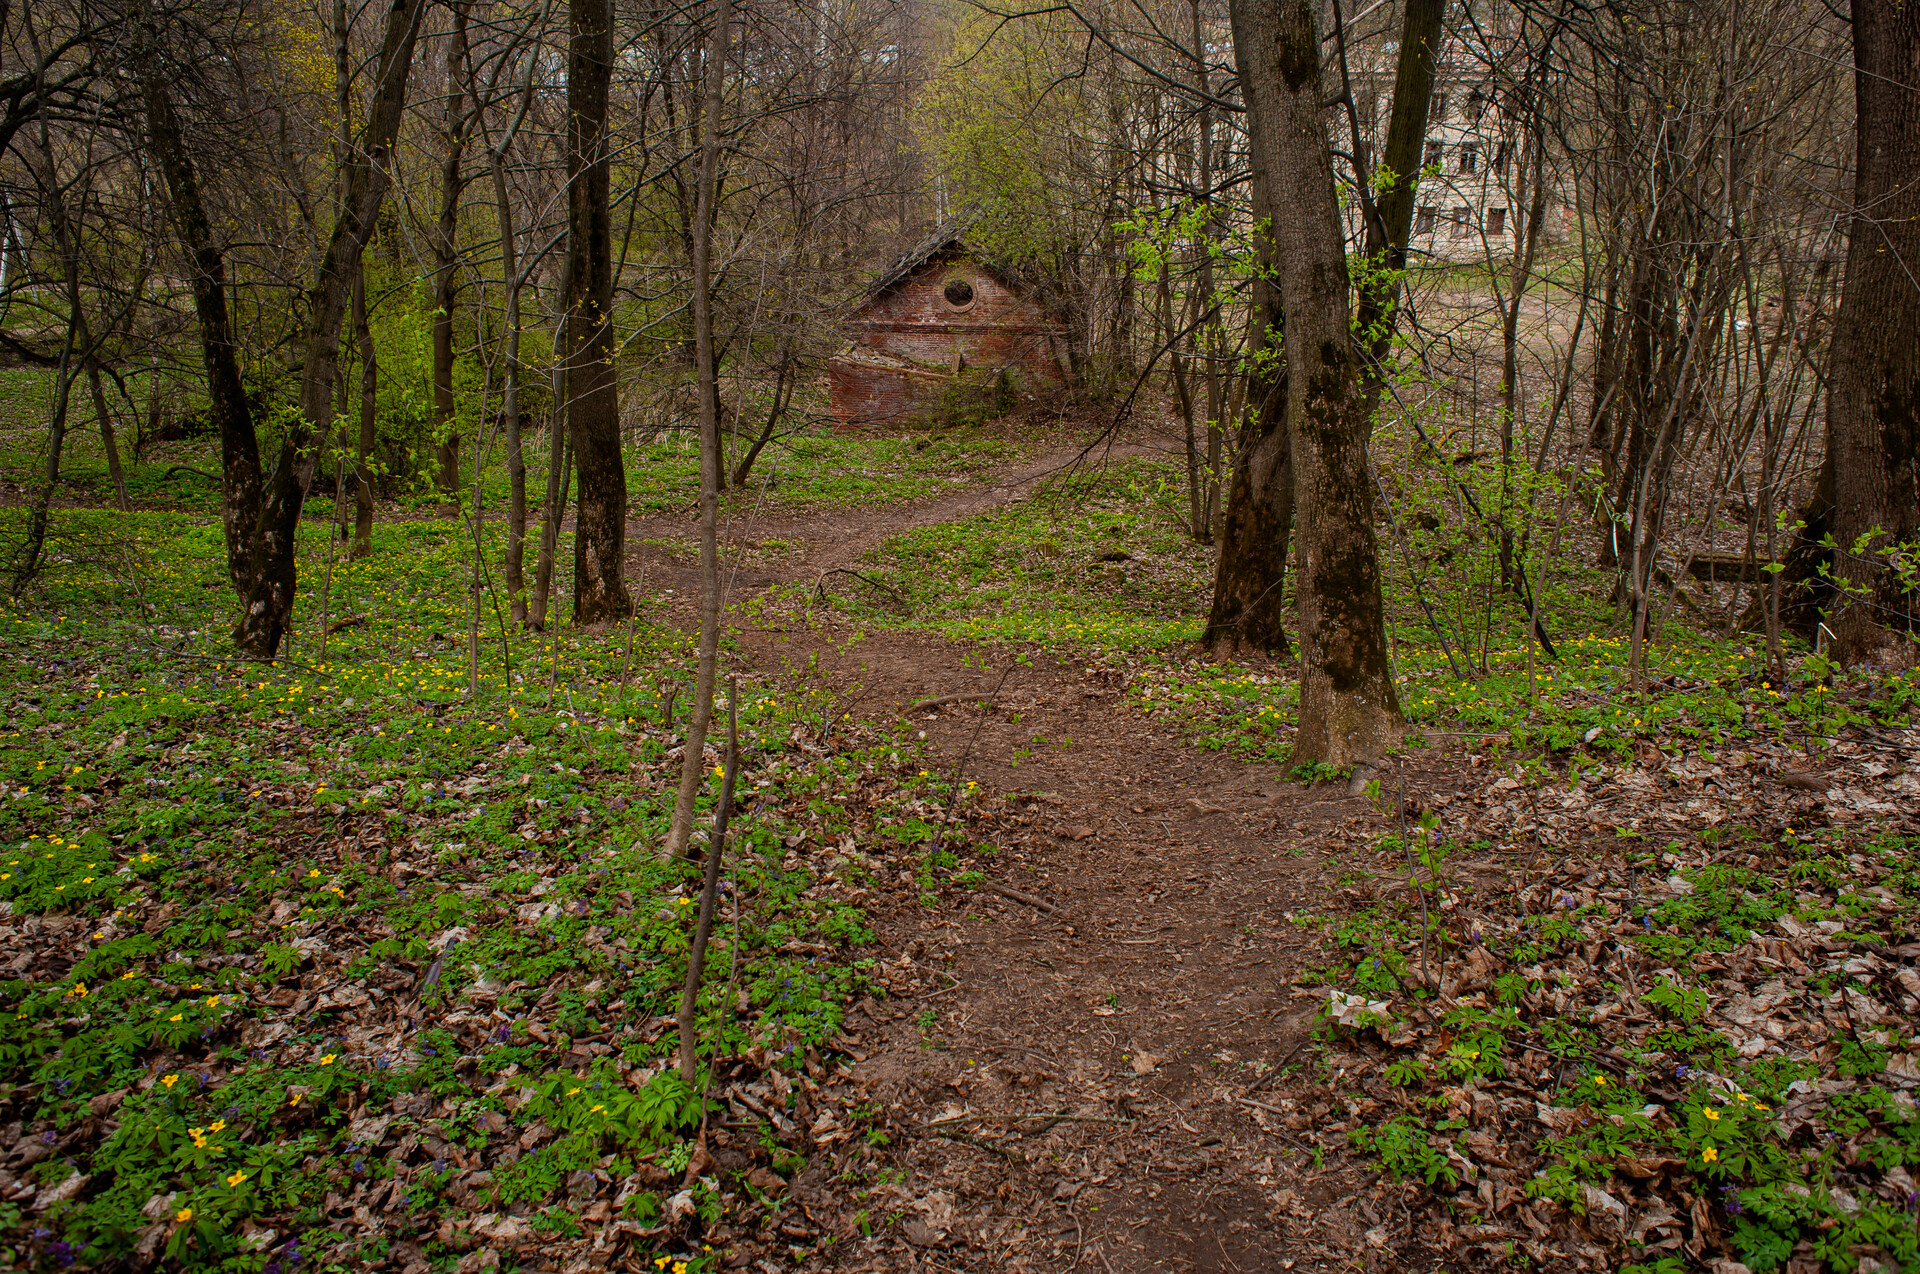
{"type": "Point", "coordinates": [1143, 994]}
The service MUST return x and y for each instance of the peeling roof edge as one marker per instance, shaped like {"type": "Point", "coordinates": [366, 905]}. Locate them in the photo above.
{"type": "Point", "coordinates": [949, 234]}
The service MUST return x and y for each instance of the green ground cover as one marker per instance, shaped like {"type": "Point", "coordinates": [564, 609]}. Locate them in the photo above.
{"type": "Point", "coordinates": [277, 906]}
{"type": "Point", "coordinates": [813, 468]}
{"type": "Point", "coordinates": [1099, 568]}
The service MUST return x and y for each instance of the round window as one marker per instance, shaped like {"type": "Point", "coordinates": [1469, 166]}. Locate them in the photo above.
{"type": "Point", "coordinates": [959, 293]}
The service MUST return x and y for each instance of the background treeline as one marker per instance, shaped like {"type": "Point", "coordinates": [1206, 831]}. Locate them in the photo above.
{"type": "Point", "coordinates": [1596, 255]}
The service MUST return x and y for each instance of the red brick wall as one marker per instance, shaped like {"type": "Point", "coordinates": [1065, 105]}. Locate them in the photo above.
{"type": "Point", "coordinates": [912, 321]}
{"type": "Point", "coordinates": [867, 394]}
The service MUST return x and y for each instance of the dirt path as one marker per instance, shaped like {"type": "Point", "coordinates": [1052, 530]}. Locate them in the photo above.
{"type": "Point", "coordinates": [822, 540]}
{"type": "Point", "coordinates": [1131, 1001]}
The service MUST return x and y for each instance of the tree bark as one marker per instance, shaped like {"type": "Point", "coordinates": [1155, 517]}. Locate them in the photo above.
{"type": "Point", "coordinates": [510, 398]}
{"type": "Point", "coordinates": [1348, 708]}
{"type": "Point", "coordinates": [445, 258]}
{"type": "Point", "coordinates": [369, 417]}
{"type": "Point", "coordinates": [1250, 574]}
{"type": "Point", "coordinates": [1388, 230]}
{"type": "Point", "coordinates": [1249, 584]}
{"type": "Point", "coordinates": [1873, 412]}
{"type": "Point", "coordinates": [240, 479]}
{"type": "Point", "coordinates": [693, 767]}
{"type": "Point", "coordinates": [268, 597]}
{"type": "Point", "coordinates": [593, 400]}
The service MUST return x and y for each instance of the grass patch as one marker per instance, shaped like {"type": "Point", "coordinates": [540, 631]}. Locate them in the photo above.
{"type": "Point", "coordinates": [382, 928]}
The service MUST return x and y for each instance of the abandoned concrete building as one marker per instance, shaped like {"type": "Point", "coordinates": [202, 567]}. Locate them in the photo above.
{"type": "Point", "coordinates": [1475, 191]}
{"type": "Point", "coordinates": [940, 318]}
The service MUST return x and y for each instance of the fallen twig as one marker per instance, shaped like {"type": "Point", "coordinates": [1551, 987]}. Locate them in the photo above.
{"type": "Point", "coordinates": [1008, 891]}
{"type": "Point", "coordinates": [820, 586]}
{"type": "Point", "coordinates": [1005, 1152]}
{"type": "Point", "coordinates": [969, 697]}
{"type": "Point", "coordinates": [1056, 1117]}
{"type": "Point", "coordinates": [1274, 1110]}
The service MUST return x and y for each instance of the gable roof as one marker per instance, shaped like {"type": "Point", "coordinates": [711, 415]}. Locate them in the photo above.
{"type": "Point", "coordinates": [952, 234]}
{"type": "Point", "coordinates": [949, 235]}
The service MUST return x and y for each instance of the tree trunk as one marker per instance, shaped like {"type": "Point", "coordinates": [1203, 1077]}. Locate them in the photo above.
{"type": "Point", "coordinates": [1387, 231]}
{"type": "Point", "coordinates": [1348, 708]}
{"type": "Point", "coordinates": [510, 401]}
{"type": "Point", "coordinates": [66, 236]}
{"type": "Point", "coordinates": [27, 561]}
{"type": "Point", "coordinates": [1873, 413]}
{"type": "Point", "coordinates": [1249, 594]}
{"type": "Point", "coordinates": [559, 464]}
{"type": "Point", "coordinates": [369, 417]}
{"type": "Point", "coordinates": [1250, 574]}
{"type": "Point", "coordinates": [445, 257]}
{"type": "Point", "coordinates": [593, 401]}
{"type": "Point", "coordinates": [240, 480]}
{"type": "Point", "coordinates": [267, 600]}
{"type": "Point", "coordinates": [693, 767]}
{"type": "Point", "coordinates": [1208, 343]}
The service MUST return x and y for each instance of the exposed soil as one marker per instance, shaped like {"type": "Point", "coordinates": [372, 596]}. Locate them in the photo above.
{"type": "Point", "coordinates": [1126, 1006]}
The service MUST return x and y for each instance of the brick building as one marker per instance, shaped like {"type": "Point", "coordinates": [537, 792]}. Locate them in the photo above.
{"type": "Point", "coordinates": [937, 313]}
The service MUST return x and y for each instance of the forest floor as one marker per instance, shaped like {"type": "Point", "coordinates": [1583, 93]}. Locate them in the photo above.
{"type": "Point", "coordinates": [1041, 953]}
{"type": "Point", "coordinates": [1121, 1059]}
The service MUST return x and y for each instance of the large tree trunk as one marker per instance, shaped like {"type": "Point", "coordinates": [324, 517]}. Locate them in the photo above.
{"type": "Point", "coordinates": [593, 399]}
{"type": "Point", "coordinates": [693, 768]}
{"type": "Point", "coordinates": [1873, 413]}
{"type": "Point", "coordinates": [1250, 574]}
{"type": "Point", "coordinates": [1348, 708]}
{"type": "Point", "coordinates": [1249, 595]}
{"type": "Point", "coordinates": [268, 599]}
{"type": "Point", "coordinates": [240, 480]}
{"type": "Point", "coordinates": [445, 257]}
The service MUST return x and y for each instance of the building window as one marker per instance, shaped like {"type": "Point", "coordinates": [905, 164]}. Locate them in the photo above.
{"type": "Point", "coordinates": [1496, 222]}
{"type": "Point", "coordinates": [1476, 106]}
{"type": "Point", "coordinates": [1423, 222]}
{"type": "Point", "coordinates": [1461, 219]}
{"type": "Point", "coordinates": [958, 294]}
{"type": "Point", "coordinates": [1500, 160]}
{"type": "Point", "coordinates": [1437, 109]}
{"type": "Point", "coordinates": [1433, 155]}
{"type": "Point", "coordinates": [1469, 159]}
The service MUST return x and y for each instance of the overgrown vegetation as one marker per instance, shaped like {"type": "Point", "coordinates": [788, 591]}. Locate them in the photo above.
{"type": "Point", "coordinates": [290, 941]}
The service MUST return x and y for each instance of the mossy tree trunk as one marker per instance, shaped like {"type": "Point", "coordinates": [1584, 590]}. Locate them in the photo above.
{"type": "Point", "coordinates": [1348, 709]}
{"type": "Point", "coordinates": [1873, 413]}
{"type": "Point", "coordinates": [593, 395]}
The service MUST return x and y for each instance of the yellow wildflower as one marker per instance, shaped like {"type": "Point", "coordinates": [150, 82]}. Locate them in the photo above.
{"type": "Point", "coordinates": [184, 1215]}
